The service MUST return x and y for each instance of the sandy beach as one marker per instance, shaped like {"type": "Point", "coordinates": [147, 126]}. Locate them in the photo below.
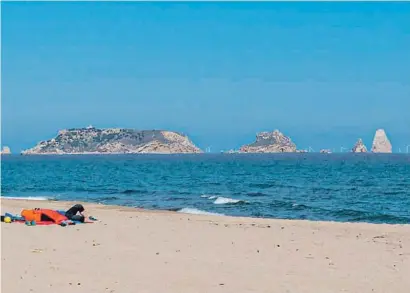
{"type": "Point", "coordinates": [131, 250]}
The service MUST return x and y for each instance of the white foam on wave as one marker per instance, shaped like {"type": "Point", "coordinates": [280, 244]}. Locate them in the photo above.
{"type": "Point", "coordinates": [27, 197]}
{"type": "Point", "coordinates": [194, 211]}
{"type": "Point", "coordinates": [227, 200]}
{"type": "Point", "coordinates": [208, 196]}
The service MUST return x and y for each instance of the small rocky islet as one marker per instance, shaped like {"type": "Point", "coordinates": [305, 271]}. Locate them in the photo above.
{"type": "Point", "coordinates": [5, 151]}
{"type": "Point", "coordinates": [91, 140]}
{"type": "Point", "coordinates": [359, 147]}
{"type": "Point", "coordinates": [277, 142]}
{"type": "Point", "coordinates": [270, 142]}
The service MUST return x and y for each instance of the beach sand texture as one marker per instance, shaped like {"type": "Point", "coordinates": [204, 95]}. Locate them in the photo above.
{"type": "Point", "coordinates": [130, 250]}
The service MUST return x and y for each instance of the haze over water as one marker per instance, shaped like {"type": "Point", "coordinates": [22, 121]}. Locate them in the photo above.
{"type": "Point", "coordinates": [337, 187]}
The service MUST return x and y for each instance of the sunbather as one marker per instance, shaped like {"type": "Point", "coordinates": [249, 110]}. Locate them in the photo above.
{"type": "Point", "coordinates": [71, 214]}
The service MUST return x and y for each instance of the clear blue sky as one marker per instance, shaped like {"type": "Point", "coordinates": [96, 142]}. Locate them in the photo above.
{"type": "Point", "coordinates": [323, 73]}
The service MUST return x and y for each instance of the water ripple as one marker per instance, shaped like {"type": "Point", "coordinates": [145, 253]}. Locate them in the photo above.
{"type": "Point", "coordinates": [345, 187]}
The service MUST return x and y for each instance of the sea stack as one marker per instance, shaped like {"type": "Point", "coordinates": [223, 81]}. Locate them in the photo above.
{"type": "Point", "coordinates": [359, 147]}
{"type": "Point", "coordinates": [5, 151]}
{"type": "Point", "coordinates": [270, 142]}
{"type": "Point", "coordinates": [381, 144]}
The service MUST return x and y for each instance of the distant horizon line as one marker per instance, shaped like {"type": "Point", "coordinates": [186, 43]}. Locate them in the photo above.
{"type": "Point", "coordinates": [196, 154]}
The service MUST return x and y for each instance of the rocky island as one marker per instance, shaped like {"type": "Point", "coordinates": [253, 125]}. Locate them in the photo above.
{"type": "Point", "coordinates": [5, 151]}
{"type": "Point", "coordinates": [359, 147]}
{"type": "Point", "coordinates": [325, 151]}
{"type": "Point", "coordinates": [381, 144]}
{"type": "Point", "coordinates": [270, 142]}
{"type": "Point", "coordinates": [92, 140]}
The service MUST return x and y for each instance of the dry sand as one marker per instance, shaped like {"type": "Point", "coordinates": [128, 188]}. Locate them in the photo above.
{"type": "Point", "coordinates": [131, 250]}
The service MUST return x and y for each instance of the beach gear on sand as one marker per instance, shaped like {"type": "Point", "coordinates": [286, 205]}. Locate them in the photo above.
{"type": "Point", "coordinates": [39, 215]}
{"type": "Point", "coordinates": [34, 217]}
{"type": "Point", "coordinates": [19, 219]}
{"type": "Point", "coordinates": [14, 217]}
{"type": "Point", "coordinates": [30, 223]}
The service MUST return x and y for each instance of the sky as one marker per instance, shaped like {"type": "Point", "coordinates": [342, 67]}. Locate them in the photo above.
{"type": "Point", "coordinates": [323, 73]}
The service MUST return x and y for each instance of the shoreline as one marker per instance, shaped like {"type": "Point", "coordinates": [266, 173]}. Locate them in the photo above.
{"type": "Point", "coordinates": [15, 201]}
{"type": "Point", "coordinates": [131, 249]}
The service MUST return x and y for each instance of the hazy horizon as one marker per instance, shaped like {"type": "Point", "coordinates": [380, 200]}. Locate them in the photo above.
{"type": "Point", "coordinates": [324, 74]}
{"type": "Point", "coordinates": [338, 149]}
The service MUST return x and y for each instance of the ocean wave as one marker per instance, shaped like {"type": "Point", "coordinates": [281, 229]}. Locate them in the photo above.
{"type": "Point", "coordinates": [382, 218]}
{"type": "Point", "coordinates": [256, 194]}
{"type": "Point", "coordinates": [346, 213]}
{"type": "Point", "coordinates": [209, 196]}
{"type": "Point", "coordinates": [351, 215]}
{"type": "Point", "coordinates": [106, 198]}
{"type": "Point", "coordinates": [222, 200]}
{"type": "Point", "coordinates": [394, 192]}
{"type": "Point", "coordinates": [174, 198]}
{"type": "Point", "coordinates": [132, 191]}
{"type": "Point", "coordinates": [27, 197]}
{"type": "Point", "coordinates": [226, 200]}
{"type": "Point", "coordinates": [299, 206]}
{"type": "Point", "coordinates": [262, 185]}
{"type": "Point", "coordinates": [283, 186]}
{"type": "Point", "coordinates": [194, 211]}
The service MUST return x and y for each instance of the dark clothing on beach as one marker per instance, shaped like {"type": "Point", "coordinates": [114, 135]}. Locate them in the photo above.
{"type": "Point", "coordinates": [71, 214]}
{"type": "Point", "coordinates": [77, 218]}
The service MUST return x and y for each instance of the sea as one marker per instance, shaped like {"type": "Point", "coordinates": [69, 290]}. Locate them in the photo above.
{"type": "Point", "coordinates": [344, 187]}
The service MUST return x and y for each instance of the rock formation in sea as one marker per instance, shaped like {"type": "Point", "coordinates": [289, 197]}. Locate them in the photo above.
{"type": "Point", "coordinates": [91, 140]}
{"type": "Point", "coordinates": [5, 151]}
{"type": "Point", "coordinates": [270, 142]}
{"type": "Point", "coordinates": [359, 147]}
{"type": "Point", "coordinates": [381, 144]}
{"type": "Point", "coordinates": [325, 151]}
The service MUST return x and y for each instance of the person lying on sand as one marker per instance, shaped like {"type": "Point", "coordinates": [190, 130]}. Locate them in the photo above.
{"type": "Point", "coordinates": [71, 214]}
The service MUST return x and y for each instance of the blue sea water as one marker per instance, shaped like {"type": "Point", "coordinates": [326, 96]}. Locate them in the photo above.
{"type": "Point", "coordinates": [336, 187]}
